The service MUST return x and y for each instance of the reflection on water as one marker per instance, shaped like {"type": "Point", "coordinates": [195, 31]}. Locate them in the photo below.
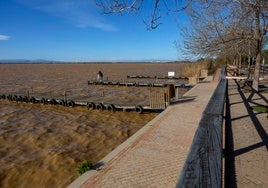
{"type": "Point", "coordinates": [41, 145]}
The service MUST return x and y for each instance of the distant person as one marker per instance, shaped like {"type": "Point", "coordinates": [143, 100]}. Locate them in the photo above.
{"type": "Point", "coordinates": [99, 76]}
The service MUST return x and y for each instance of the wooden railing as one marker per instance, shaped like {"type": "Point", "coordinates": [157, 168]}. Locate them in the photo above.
{"type": "Point", "coordinates": [203, 165]}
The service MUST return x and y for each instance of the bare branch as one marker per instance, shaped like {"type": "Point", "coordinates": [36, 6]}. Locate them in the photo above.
{"type": "Point", "coordinates": [120, 6]}
{"type": "Point", "coordinates": [177, 8]}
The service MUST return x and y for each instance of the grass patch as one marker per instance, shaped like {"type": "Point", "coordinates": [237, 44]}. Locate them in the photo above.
{"type": "Point", "coordinates": [86, 165]}
{"type": "Point", "coordinates": [260, 109]}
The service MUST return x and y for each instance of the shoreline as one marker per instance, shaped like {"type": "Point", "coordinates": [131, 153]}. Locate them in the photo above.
{"type": "Point", "coordinates": [54, 140]}
{"type": "Point", "coordinates": [115, 158]}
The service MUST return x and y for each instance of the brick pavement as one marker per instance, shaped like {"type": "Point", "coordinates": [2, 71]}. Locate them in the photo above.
{"type": "Point", "coordinates": [154, 156]}
{"type": "Point", "coordinates": [247, 140]}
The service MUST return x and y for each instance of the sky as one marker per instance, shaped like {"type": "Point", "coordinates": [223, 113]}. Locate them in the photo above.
{"type": "Point", "coordinates": [76, 30]}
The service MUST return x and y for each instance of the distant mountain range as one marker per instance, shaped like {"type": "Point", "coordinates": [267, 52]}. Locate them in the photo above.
{"type": "Point", "coordinates": [37, 61]}
{"type": "Point", "coordinates": [26, 61]}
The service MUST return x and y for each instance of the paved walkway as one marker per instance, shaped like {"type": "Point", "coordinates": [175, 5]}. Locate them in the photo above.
{"type": "Point", "coordinates": [154, 156]}
{"type": "Point", "coordinates": [247, 140]}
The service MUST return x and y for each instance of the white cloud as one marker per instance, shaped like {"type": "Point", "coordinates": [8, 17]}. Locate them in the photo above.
{"type": "Point", "coordinates": [4, 37]}
{"type": "Point", "coordinates": [80, 13]}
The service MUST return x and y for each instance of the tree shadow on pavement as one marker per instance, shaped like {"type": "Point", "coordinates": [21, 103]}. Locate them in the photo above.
{"type": "Point", "coordinates": [258, 126]}
{"type": "Point", "coordinates": [230, 154]}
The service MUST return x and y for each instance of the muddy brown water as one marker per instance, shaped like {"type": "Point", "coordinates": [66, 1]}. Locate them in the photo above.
{"type": "Point", "coordinates": [41, 145]}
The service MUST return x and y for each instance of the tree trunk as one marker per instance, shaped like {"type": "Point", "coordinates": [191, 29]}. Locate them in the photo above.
{"type": "Point", "coordinates": [258, 39]}
{"type": "Point", "coordinates": [257, 72]}
{"type": "Point", "coordinates": [256, 77]}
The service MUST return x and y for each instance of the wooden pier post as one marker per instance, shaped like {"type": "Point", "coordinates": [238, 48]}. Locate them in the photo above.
{"type": "Point", "coordinates": [28, 94]}
{"type": "Point", "coordinates": [102, 91]}
{"type": "Point", "coordinates": [64, 95]}
{"type": "Point", "coordinates": [193, 80]}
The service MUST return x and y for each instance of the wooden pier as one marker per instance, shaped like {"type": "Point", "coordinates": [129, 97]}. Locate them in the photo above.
{"type": "Point", "coordinates": [158, 100]}
{"type": "Point", "coordinates": [89, 105]}
{"type": "Point", "coordinates": [159, 77]}
{"type": "Point", "coordinates": [129, 84]}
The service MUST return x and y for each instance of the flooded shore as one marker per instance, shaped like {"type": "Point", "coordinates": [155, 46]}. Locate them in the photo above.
{"type": "Point", "coordinates": [41, 145]}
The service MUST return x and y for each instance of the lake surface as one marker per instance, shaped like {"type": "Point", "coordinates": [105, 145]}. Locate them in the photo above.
{"type": "Point", "coordinates": [41, 145]}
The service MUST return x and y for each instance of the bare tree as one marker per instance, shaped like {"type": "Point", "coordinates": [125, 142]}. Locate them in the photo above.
{"type": "Point", "coordinates": [217, 26]}
{"type": "Point", "coordinates": [228, 26]}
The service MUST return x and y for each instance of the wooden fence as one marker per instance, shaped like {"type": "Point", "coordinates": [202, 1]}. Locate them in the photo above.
{"type": "Point", "coordinates": [203, 165]}
{"type": "Point", "coordinates": [161, 99]}
{"type": "Point", "coordinates": [158, 100]}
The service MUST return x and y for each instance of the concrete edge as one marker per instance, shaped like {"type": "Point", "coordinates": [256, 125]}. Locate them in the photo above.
{"type": "Point", "coordinates": [121, 148]}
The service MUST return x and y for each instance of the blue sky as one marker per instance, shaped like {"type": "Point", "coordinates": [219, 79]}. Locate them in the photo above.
{"type": "Point", "coordinates": [75, 30]}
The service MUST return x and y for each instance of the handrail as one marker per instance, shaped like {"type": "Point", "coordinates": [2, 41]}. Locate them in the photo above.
{"type": "Point", "coordinates": [203, 165]}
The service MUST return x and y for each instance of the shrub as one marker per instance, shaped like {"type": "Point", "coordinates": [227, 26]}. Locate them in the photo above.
{"type": "Point", "coordinates": [192, 69]}
{"type": "Point", "coordinates": [86, 165]}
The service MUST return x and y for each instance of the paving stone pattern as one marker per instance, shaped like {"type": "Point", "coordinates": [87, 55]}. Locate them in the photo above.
{"type": "Point", "coordinates": [156, 156]}
{"type": "Point", "coordinates": [248, 148]}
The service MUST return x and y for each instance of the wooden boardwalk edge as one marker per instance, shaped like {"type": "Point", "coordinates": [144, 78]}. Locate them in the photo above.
{"type": "Point", "coordinates": [203, 165]}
